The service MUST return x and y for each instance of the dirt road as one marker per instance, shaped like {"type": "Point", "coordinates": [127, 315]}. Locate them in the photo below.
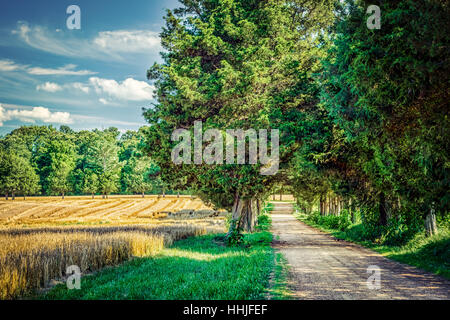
{"type": "Point", "coordinates": [324, 268]}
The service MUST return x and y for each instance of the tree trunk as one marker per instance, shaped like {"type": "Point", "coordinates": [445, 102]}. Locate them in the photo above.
{"type": "Point", "coordinates": [281, 196]}
{"type": "Point", "coordinates": [164, 193]}
{"type": "Point", "coordinates": [24, 197]}
{"type": "Point", "coordinates": [178, 194]}
{"type": "Point", "coordinates": [352, 212]}
{"type": "Point", "coordinates": [103, 196]}
{"type": "Point", "coordinates": [92, 195]}
{"type": "Point", "coordinates": [430, 223]}
{"type": "Point", "coordinates": [13, 196]}
{"type": "Point", "coordinates": [63, 195]}
{"type": "Point", "coordinates": [273, 197]}
{"type": "Point", "coordinates": [330, 205]}
{"type": "Point", "coordinates": [6, 196]}
{"type": "Point", "coordinates": [382, 209]}
{"type": "Point", "coordinates": [245, 213]}
{"type": "Point", "coordinates": [143, 194]}
{"type": "Point", "coordinates": [322, 205]}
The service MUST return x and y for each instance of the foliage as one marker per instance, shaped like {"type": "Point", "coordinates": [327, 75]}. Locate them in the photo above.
{"type": "Point", "coordinates": [341, 222]}
{"type": "Point", "coordinates": [234, 236]}
{"type": "Point", "coordinates": [264, 222]}
{"type": "Point", "coordinates": [235, 64]}
{"type": "Point", "coordinates": [17, 176]}
{"type": "Point", "coordinates": [38, 158]}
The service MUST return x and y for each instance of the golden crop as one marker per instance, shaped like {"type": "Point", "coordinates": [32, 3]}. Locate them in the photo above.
{"type": "Point", "coordinates": [42, 236]}
{"type": "Point", "coordinates": [30, 258]}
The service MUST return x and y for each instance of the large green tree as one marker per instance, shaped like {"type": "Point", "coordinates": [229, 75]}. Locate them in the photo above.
{"type": "Point", "coordinates": [236, 64]}
{"type": "Point", "coordinates": [17, 176]}
{"type": "Point", "coordinates": [61, 162]}
{"type": "Point", "coordinates": [104, 157]}
{"type": "Point", "coordinates": [386, 91]}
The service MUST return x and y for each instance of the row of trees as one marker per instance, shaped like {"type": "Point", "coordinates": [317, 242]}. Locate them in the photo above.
{"type": "Point", "coordinates": [363, 114]}
{"type": "Point", "coordinates": [43, 160]}
{"type": "Point", "coordinates": [384, 94]}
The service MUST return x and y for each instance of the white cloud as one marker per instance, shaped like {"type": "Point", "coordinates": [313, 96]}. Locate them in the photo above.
{"type": "Point", "coordinates": [9, 65]}
{"type": "Point", "coordinates": [49, 87]}
{"type": "Point", "coordinates": [67, 70]}
{"type": "Point", "coordinates": [103, 101]}
{"type": "Point", "coordinates": [129, 89]}
{"type": "Point", "coordinates": [3, 116]}
{"type": "Point", "coordinates": [41, 38]}
{"type": "Point", "coordinates": [34, 114]}
{"type": "Point", "coordinates": [80, 86]}
{"type": "Point", "coordinates": [54, 87]}
{"type": "Point", "coordinates": [128, 40]}
{"type": "Point", "coordinates": [105, 45]}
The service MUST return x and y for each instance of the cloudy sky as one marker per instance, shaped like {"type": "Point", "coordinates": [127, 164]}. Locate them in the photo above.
{"type": "Point", "coordinates": [94, 77]}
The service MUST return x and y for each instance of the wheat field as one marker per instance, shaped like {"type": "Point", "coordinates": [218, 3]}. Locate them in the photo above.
{"type": "Point", "coordinates": [84, 208]}
{"type": "Point", "coordinates": [40, 237]}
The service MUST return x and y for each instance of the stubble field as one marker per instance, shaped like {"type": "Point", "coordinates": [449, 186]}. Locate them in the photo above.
{"type": "Point", "coordinates": [40, 237]}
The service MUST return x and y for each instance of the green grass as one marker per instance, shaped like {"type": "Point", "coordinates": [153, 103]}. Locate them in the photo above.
{"type": "Point", "coordinates": [279, 286]}
{"type": "Point", "coordinates": [195, 268]}
{"type": "Point", "coordinates": [428, 253]}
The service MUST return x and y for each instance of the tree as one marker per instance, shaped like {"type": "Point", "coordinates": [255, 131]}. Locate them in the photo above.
{"type": "Point", "coordinates": [28, 179]}
{"type": "Point", "coordinates": [90, 183]}
{"type": "Point", "coordinates": [138, 178]}
{"type": "Point", "coordinates": [61, 156]}
{"type": "Point", "coordinates": [16, 175]}
{"type": "Point", "coordinates": [386, 92]}
{"type": "Point", "coordinates": [103, 155]}
{"type": "Point", "coordinates": [236, 65]}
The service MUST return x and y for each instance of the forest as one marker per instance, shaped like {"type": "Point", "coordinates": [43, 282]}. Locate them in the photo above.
{"type": "Point", "coordinates": [41, 160]}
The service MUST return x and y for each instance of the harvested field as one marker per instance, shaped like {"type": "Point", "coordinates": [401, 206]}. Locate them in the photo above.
{"type": "Point", "coordinates": [40, 237]}
{"type": "Point", "coordinates": [85, 209]}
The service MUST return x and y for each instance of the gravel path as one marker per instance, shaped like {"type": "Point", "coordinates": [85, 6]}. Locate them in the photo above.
{"type": "Point", "coordinates": [323, 268]}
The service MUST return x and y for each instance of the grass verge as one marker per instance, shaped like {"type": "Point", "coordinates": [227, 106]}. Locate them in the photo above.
{"type": "Point", "coordinates": [428, 253]}
{"type": "Point", "coordinates": [196, 268]}
{"type": "Point", "coordinates": [279, 284]}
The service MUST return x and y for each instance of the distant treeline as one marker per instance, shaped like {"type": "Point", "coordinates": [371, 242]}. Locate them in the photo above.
{"type": "Point", "coordinates": [41, 160]}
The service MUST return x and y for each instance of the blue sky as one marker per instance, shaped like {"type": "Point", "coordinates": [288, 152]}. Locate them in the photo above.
{"type": "Point", "coordinates": [94, 77]}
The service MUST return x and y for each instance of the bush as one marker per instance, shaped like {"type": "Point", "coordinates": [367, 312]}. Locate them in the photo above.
{"type": "Point", "coordinates": [341, 222]}
{"type": "Point", "coordinates": [401, 229]}
{"type": "Point", "coordinates": [264, 222]}
{"type": "Point", "coordinates": [234, 236]}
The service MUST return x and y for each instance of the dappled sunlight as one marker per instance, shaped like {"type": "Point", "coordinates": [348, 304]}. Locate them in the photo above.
{"type": "Point", "coordinates": [202, 256]}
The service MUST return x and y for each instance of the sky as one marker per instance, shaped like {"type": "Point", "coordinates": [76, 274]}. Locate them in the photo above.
{"type": "Point", "coordinates": [92, 77]}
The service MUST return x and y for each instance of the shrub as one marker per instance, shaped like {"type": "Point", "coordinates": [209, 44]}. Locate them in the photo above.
{"type": "Point", "coordinates": [264, 222]}
{"type": "Point", "coordinates": [341, 222]}
{"type": "Point", "coordinates": [234, 236]}
{"type": "Point", "coordinates": [401, 229]}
